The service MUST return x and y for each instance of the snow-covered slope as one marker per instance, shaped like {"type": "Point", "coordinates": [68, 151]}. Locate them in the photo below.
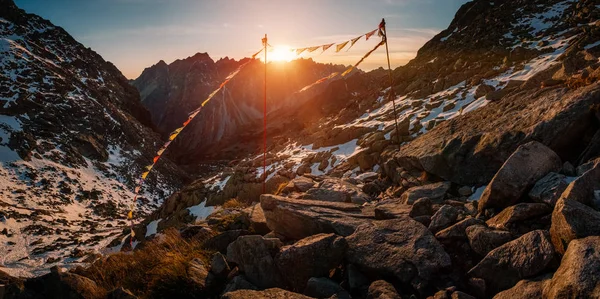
{"type": "Point", "coordinates": [73, 139]}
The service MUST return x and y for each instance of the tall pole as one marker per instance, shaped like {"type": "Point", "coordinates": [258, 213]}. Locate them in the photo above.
{"type": "Point", "coordinates": [264, 184]}
{"type": "Point", "coordinates": [391, 94]}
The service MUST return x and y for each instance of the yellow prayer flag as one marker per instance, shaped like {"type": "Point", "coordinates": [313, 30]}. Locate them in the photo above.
{"type": "Point", "coordinates": [145, 174]}
{"type": "Point", "coordinates": [354, 40]}
{"type": "Point", "coordinates": [299, 51]}
{"type": "Point", "coordinates": [312, 49]}
{"type": "Point", "coordinates": [340, 46]}
{"type": "Point", "coordinates": [130, 215]}
{"type": "Point", "coordinates": [325, 47]}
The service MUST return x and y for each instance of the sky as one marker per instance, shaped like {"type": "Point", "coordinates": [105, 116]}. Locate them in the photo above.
{"type": "Point", "coordinates": [135, 34]}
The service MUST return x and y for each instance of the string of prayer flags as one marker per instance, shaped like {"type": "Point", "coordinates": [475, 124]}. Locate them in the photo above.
{"type": "Point", "coordinates": [339, 47]}
{"type": "Point", "coordinates": [325, 47]}
{"type": "Point", "coordinates": [363, 58]}
{"type": "Point", "coordinates": [312, 49]}
{"type": "Point", "coordinates": [368, 35]}
{"type": "Point", "coordinates": [353, 41]}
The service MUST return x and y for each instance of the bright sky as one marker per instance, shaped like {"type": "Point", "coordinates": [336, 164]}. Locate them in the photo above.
{"type": "Point", "coordinates": [135, 34]}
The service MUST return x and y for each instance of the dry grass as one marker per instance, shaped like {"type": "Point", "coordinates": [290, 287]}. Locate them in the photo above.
{"type": "Point", "coordinates": [158, 270]}
{"type": "Point", "coordinates": [234, 204]}
{"type": "Point", "coordinates": [280, 188]}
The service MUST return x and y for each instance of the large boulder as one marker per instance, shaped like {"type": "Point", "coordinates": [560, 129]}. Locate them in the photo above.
{"type": "Point", "coordinates": [529, 163]}
{"type": "Point", "coordinates": [483, 239]}
{"type": "Point", "coordinates": [443, 218]}
{"type": "Point", "coordinates": [458, 230]}
{"type": "Point", "coordinates": [382, 289]}
{"type": "Point", "coordinates": [391, 208]}
{"type": "Point", "coordinates": [313, 256]}
{"type": "Point", "coordinates": [513, 215]}
{"type": "Point", "coordinates": [337, 190]}
{"type": "Point", "coordinates": [298, 219]}
{"type": "Point", "coordinates": [526, 288]}
{"type": "Point", "coordinates": [300, 184]}
{"type": "Point", "coordinates": [579, 273]}
{"type": "Point", "coordinates": [435, 192]}
{"type": "Point", "coordinates": [254, 255]}
{"type": "Point", "coordinates": [572, 220]}
{"type": "Point", "coordinates": [524, 257]}
{"type": "Point", "coordinates": [58, 284]}
{"type": "Point", "coordinates": [258, 223]}
{"type": "Point", "coordinates": [221, 241]}
{"type": "Point", "coordinates": [583, 188]}
{"type": "Point", "coordinates": [549, 188]}
{"type": "Point", "coordinates": [321, 287]}
{"type": "Point", "coordinates": [400, 248]}
{"type": "Point", "coordinates": [274, 293]}
{"type": "Point", "coordinates": [239, 283]}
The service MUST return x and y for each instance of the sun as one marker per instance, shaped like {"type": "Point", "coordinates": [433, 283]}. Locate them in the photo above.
{"type": "Point", "coordinates": [281, 53]}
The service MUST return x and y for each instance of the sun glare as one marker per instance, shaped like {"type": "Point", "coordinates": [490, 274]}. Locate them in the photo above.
{"type": "Point", "coordinates": [281, 53]}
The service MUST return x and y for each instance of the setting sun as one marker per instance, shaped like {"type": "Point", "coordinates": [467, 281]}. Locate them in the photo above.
{"type": "Point", "coordinates": [281, 53]}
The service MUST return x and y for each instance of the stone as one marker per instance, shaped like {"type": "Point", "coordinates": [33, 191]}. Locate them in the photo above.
{"type": "Point", "coordinates": [118, 293]}
{"type": "Point", "coordinates": [568, 169]}
{"type": "Point", "coordinates": [239, 283]}
{"type": "Point", "coordinates": [572, 220]}
{"type": "Point", "coordinates": [298, 219]}
{"type": "Point", "coordinates": [322, 287]}
{"type": "Point", "coordinates": [336, 190]}
{"type": "Point", "coordinates": [356, 280]}
{"type": "Point", "coordinates": [254, 256]}
{"type": "Point", "coordinates": [483, 239]}
{"type": "Point", "coordinates": [391, 208]}
{"type": "Point", "coordinates": [512, 215]}
{"type": "Point", "coordinates": [302, 183]}
{"type": "Point", "coordinates": [57, 284]}
{"type": "Point", "coordinates": [548, 189]}
{"type": "Point", "coordinates": [578, 275]}
{"type": "Point", "coordinates": [400, 248]}
{"type": "Point", "coordinates": [461, 295]}
{"type": "Point", "coordinates": [221, 241]}
{"type": "Point", "coordinates": [381, 289]}
{"type": "Point", "coordinates": [218, 264]}
{"type": "Point", "coordinates": [583, 188]}
{"type": "Point", "coordinates": [314, 256]}
{"type": "Point", "coordinates": [458, 230]}
{"type": "Point", "coordinates": [258, 222]}
{"type": "Point", "coordinates": [465, 191]}
{"type": "Point", "coordinates": [367, 176]}
{"type": "Point", "coordinates": [435, 192]}
{"type": "Point", "coordinates": [526, 288]}
{"type": "Point", "coordinates": [274, 293]}
{"type": "Point", "coordinates": [421, 207]}
{"type": "Point", "coordinates": [443, 218]}
{"type": "Point", "coordinates": [529, 163]}
{"type": "Point", "coordinates": [524, 257]}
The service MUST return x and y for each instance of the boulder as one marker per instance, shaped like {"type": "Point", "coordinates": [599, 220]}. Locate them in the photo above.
{"type": "Point", "coordinates": [337, 190]}
{"type": "Point", "coordinates": [274, 293]}
{"type": "Point", "coordinates": [118, 293]}
{"type": "Point", "coordinates": [444, 217]}
{"type": "Point", "coordinates": [258, 223]}
{"type": "Point", "coordinates": [221, 241]}
{"type": "Point", "coordinates": [512, 215]}
{"type": "Point", "coordinates": [526, 288]}
{"type": "Point", "coordinates": [572, 220]}
{"type": "Point", "coordinates": [529, 163]}
{"type": "Point", "coordinates": [579, 273]}
{"type": "Point", "coordinates": [218, 264]}
{"type": "Point", "coordinates": [435, 192]}
{"type": "Point", "coordinates": [391, 208]}
{"type": "Point", "coordinates": [458, 230]}
{"type": "Point", "coordinates": [549, 188]}
{"type": "Point", "coordinates": [298, 219]}
{"type": "Point", "coordinates": [382, 289]}
{"type": "Point", "coordinates": [254, 256]}
{"type": "Point", "coordinates": [58, 284]}
{"type": "Point", "coordinates": [301, 184]}
{"type": "Point", "coordinates": [483, 239]}
{"type": "Point", "coordinates": [239, 283]}
{"type": "Point", "coordinates": [421, 207]}
{"type": "Point", "coordinates": [322, 287]}
{"type": "Point", "coordinates": [313, 256]}
{"type": "Point", "coordinates": [356, 280]}
{"type": "Point", "coordinates": [583, 188]}
{"type": "Point", "coordinates": [524, 257]}
{"type": "Point", "coordinates": [400, 248]}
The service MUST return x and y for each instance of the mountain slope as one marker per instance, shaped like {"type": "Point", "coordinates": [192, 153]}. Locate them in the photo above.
{"type": "Point", "coordinates": [74, 137]}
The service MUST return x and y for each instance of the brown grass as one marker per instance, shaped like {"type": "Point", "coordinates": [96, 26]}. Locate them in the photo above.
{"type": "Point", "coordinates": [234, 204]}
{"type": "Point", "coordinates": [158, 270]}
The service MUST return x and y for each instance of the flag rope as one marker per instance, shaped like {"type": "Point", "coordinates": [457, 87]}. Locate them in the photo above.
{"type": "Point", "coordinates": [338, 46]}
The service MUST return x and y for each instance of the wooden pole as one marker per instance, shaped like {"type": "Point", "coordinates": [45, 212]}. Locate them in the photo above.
{"type": "Point", "coordinates": [391, 93]}
{"type": "Point", "coordinates": [264, 185]}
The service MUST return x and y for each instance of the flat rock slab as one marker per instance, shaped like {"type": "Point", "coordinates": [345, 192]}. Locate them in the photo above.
{"type": "Point", "coordinates": [435, 192]}
{"type": "Point", "coordinates": [518, 213]}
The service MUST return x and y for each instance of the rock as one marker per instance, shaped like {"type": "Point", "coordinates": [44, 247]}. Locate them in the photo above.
{"type": "Point", "coordinates": [356, 280]}
{"type": "Point", "coordinates": [524, 257]}
{"type": "Point", "coordinates": [301, 184]}
{"type": "Point", "coordinates": [197, 232]}
{"type": "Point", "coordinates": [337, 190]}
{"type": "Point", "coordinates": [313, 256]}
{"type": "Point", "coordinates": [579, 273]}
{"type": "Point", "coordinates": [324, 288]}
{"type": "Point", "coordinates": [57, 284]}
{"type": "Point", "coordinates": [461, 295]}
{"type": "Point", "coordinates": [258, 223]}
{"type": "Point", "coordinates": [425, 220]}
{"type": "Point", "coordinates": [483, 239]}
{"type": "Point", "coordinates": [218, 264]}
{"type": "Point", "coordinates": [582, 189]}
{"type": "Point", "coordinates": [239, 283]}
{"type": "Point", "coordinates": [382, 289]}
{"type": "Point", "coordinates": [458, 230]}
{"type": "Point", "coordinates": [526, 288]}
{"type": "Point", "coordinates": [443, 218]}
{"type": "Point", "coordinates": [400, 248]}
{"type": "Point", "coordinates": [465, 191]}
{"type": "Point", "coordinates": [254, 257]}
{"type": "Point", "coordinates": [367, 176]}
{"type": "Point", "coordinates": [512, 215]}
{"type": "Point", "coordinates": [572, 220]}
{"type": "Point", "coordinates": [583, 168]}
{"type": "Point", "coordinates": [198, 273]}
{"type": "Point", "coordinates": [297, 219]}
{"type": "Point", "coordinates": [118, 293]}
{"type": "Point", "coordinates": [391, 208]}
{"type": "Point", "coordinates": [435, 192]}
{"type": "Point", "coordinates": [274, 293]}
{"type": "Point", "coordinates": [549, 188]}
{"type": "Point", "coordinates": [421, 207]}
{"type": "Point", "coordinates": [529, 163]}
{"type": "Point", "coordinates": [568, 169]}
{"type": "Point", "coordinates": [221, 241]}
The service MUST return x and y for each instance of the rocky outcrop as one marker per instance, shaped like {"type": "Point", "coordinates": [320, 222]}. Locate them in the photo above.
{"type": "Point", "coordinates": [336, 190]}
{"type": "Point", "coordinates": [529, 163]}
{"type": "Point", "coordinates": [400, 248]}
{"type": "Point", "coordinates": [579, 273]}
{"type": "Point", "coordinates": [572, 220]}
{"type": "Point", "coordinates": [254, 255]}
{"type": "Point", "coordinates": [524, 257]}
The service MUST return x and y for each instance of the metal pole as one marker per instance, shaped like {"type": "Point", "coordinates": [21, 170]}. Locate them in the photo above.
{"type": "Point", "coordinates": [391, 94]}
{"type": "Point", "coordinates": [264, 188]}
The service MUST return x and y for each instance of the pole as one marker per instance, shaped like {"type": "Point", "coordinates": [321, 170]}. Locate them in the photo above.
{"type": "Point", "coordinates": [391, 94]}
{"type": "Point", "coordinates": [265, 122]}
